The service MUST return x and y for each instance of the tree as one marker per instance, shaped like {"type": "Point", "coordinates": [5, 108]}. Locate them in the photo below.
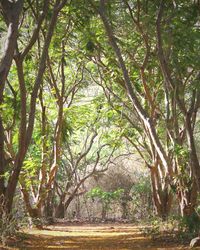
{"type": "Point", "coordinates": [11, 13]}
{"type": "Point", "coordinates": [105, 197]}
{"type": "Point", "coordinates": [26, 125]}
{"type": "Point", "coordinates": [88, 151]}
{"type": "Point", "coordinates": [143, 55]}
{"type": "Point", "coordinates": [145, 64]}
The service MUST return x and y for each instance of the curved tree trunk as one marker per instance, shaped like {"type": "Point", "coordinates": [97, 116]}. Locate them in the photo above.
{"type": "Point", "coordinates": [145, 118]}
{"type": "Point", "coordinates": [23, 147]}
{"type": "Point", "coordinates": [11, 12]}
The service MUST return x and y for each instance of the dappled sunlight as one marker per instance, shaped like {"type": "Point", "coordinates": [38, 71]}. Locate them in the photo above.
{"type": "Point", "coordinates": [94, 237]}
{"type": "Point", "coordinates": [99, 124]}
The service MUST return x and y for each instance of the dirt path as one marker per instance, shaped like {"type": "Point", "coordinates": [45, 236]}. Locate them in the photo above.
{"type": "Point", "coordinates": [93, 237]}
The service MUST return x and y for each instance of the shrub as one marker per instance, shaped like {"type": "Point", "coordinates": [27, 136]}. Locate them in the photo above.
{"type": "Point", "coordinates": [190, 224]}
{"type": "Point", "coordinates": [9, 224]}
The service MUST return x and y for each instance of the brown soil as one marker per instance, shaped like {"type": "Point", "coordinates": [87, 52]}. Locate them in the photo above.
{"type": "Point", "coordinates": [92, 237]}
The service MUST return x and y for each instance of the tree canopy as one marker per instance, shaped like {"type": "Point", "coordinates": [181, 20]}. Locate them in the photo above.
{"type": "Point", "coordinates": [84, 82]}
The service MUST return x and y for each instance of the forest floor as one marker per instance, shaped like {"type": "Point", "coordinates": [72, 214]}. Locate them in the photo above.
{"type": "Point", "coordinates": [93, 237]}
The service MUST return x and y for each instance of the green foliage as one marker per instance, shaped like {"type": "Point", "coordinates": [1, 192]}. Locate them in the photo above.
{"type": "Point", "coordinates": [89, 62]}
{"type": "Point", "coordinates": [190, 224]}
{"type": "Point", "coordinates": [67, 130]}
{"type": "Point", "coordinates": [184, 228]}
{"type": "Point", "coordinates": [105, 197]}
{"type": "Point", "coordinates": [181, 152]}
{"type": "Point", "coordinates": [29, 172]}
{"type": "Point", "coordinates": [142, 197]}
{"type": "Point", "coordinates": [142, 186]}
{"type": "Point", "coordinates": [154, 229]}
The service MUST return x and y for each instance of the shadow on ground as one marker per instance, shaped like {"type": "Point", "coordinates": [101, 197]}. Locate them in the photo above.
{"type": "Point", "coordinates": [93, 237]}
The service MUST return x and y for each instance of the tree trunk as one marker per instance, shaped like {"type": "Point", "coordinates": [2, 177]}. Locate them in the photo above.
{"type": "Point", "coordinates": [194, 161]}
{"type": "Point", "coordinates": [49, 207]}
{"type": "Point", "coordinates": [11, 12]}
{"type": "Point", "coordinates": [104, 213]}
{"type": "Point", "coordinates": [191, 218]}
{"type": "Point", "coordinates": [78, 208]}
{"type": "Point", "coordinates": [60, 209]}
{"type": "Point", "coordinates": [33, 211]}
{"type": "Point", "coordinates": [13, 179]}
{"type": "Point", "coordinates": [162, 197]}
{"type": "Point", "coordinates": [145, 118]}
{"type": "Point", "coordinates": [187, 200]}
{"type": "Point", "coordinates": [124, 210]}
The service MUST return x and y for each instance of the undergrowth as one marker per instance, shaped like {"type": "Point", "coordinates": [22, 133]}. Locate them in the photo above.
{"type": "Point", "coordinates": [181, 229]}
{"type": "Point", "coordinates": [9, 223]}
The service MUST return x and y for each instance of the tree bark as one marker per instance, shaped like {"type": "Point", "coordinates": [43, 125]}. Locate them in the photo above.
{"type": "Point", "coordinates": [187, 200]}
{"type": "Point", "coordinates": [60, 209]}
{"type": "Point", "coordinates": [34, 212]}
{"type": "Point", "coordinates": [194, 162]}
{"type": "Point", "coordinates": [11, 12]}
{"type": "Point", "coordinates": [13, 180]}
{"type": "Point", "coordinates": [136, 104]}
{"type": "Point", "coordinates": [162, 197]}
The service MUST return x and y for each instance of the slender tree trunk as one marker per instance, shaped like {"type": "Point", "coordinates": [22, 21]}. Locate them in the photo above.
{"type": "Point", "coordinates": [104, 213]}
{"type": "Point", "coordinates": [133, 97]}
{"type": "Point", "coordinates": [13, 180]}
{"type": "Point", "coordinates": [162, 197]}
{"type": "Point", "coordinates": [187, 200]}
{"type": "Point", "coordinates": [60, 209]}
{"type": "Point", "coordinates": [42, 192]}
{"type": "Point", "coordinates": [11, 12]}
{"type": "Point", "coordinates": [194, 161]}
{"type": "Point", "coordinates": [73, 194]}
{"type": "Point", "coordinates": [34, 212]}
{"type": "Point", "coordinates": [124, 205]}
{"type": "Point", "coordinates": [49, 206]}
